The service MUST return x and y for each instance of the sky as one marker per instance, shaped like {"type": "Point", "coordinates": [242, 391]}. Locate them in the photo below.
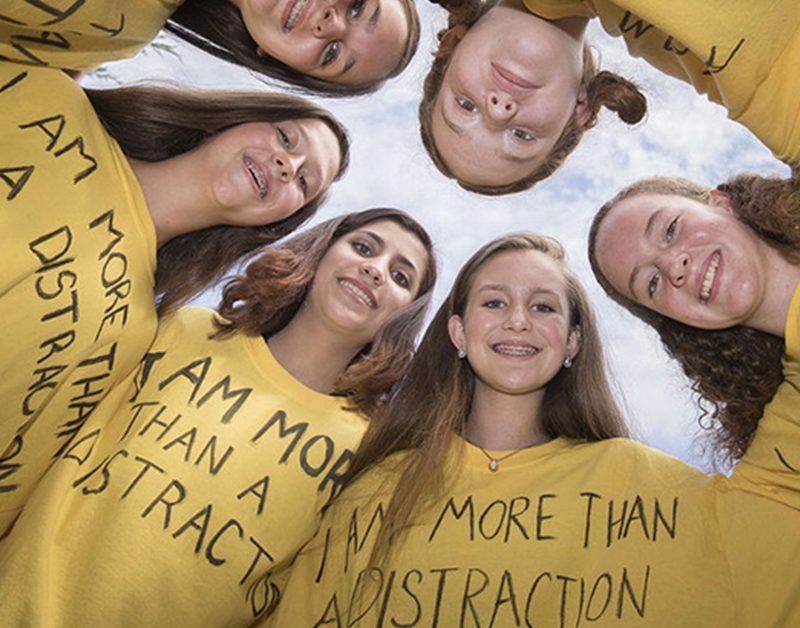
{"type": "Point", "coordinates": [682, 135]}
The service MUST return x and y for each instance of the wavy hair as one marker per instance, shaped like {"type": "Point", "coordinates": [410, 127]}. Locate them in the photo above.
{"type": "Point", "coordinates": [265, 298]}
{"type": "Point", "coordinates": [603, 89]}
{"type": "Point", "coordinates": [156, 123]}
{"type": "Point", "coordinates": [216, 27]}
{"type": "Point", "coordinates": [433, 400]}
{"type": "Point", "coordinates": [734, 372]}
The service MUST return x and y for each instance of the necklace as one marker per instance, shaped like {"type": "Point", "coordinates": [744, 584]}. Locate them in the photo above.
{"type": "Point", "coordinates": [494, 463]}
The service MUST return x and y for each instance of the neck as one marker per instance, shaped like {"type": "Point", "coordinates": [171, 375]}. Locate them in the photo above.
{"type": "Point", "coordinates": [175, 209]}
{"type": "Point", "coordinates": [784, 277]}
{"type": "Point", "coordinates": [312, 354]}
{"type": "Point", "coordinates": [501, 422]}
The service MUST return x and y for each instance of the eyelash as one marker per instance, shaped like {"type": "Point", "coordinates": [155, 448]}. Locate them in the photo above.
{"type": "Point", "coordinates": [331, 53]}
{"type": "Point", "coordinates": [356, 8]}
{"type": "Point", "coordinates": [284, 138]}
{"type": "Point", "coordinates": [466, 104]}
{"type": "Point", "coordinates": [522, 135]}
{"type": "Point", "coordinates": [652, 285]}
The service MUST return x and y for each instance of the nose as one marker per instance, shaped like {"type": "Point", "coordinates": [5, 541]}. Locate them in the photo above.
{"type": "Point", "coordinates": [517, 318]}
{"type": "Point", "coordinates": [286, 166]}
{"type": "Point", "coordinates": [371, 273]}
{"type": "Point", "coordinates": [678, 269]}
{"type": "Point", "coordinates": [500, 107]}
{"type": "Point", "coordinates": [329, 23]}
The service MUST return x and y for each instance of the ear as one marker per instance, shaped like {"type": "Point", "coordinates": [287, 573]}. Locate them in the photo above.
{"type": "Point", "coordinates": [450, 39]}
{"type": "Point", "coordinates": [455, 327]}
{"type": "Point", "coordinates": [574, 342]}
{"type": "Point", "coordinates": [721, 199]}
{"type": "Point", "coordinates": [583, 112]}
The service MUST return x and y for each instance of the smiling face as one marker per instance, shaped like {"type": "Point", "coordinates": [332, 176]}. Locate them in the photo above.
{"type": "Point", "coordinates": [264, 172]}
{"type": "Point", "coordinates": [365, 277]}
{"type": "Point", "coordinates": [515, 328]}
{"type": "Point", "coordinates": [342, 41]}
{"type": "Point", "coordinates": [688, 260]}
{"type": "Point", "coordinates": [512, 84]}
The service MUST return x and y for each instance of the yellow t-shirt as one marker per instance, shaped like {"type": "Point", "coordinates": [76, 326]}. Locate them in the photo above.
{"type": "Point", "coordinates": [565, 534]}
{"type": "Point", "coordinates": [173, 508]}
{"type": "Point", "coordinates": [78, 251]}
{"type": "Point", "coordinates": [742, 55]}
{"type": "Point", "coordinates": [79, 34]}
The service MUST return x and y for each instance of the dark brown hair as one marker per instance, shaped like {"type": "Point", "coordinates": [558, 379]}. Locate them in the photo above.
{"type": "Point", "coordinates": [216, 27]}
{"type": "Point", "coordinates": [273, 286]}
{"type": "Point", "coordinates": [603, 89]}
{"type": "Point", "coordinates": [434, 399]}
{"type": "Point", "coordinates": [156, 123]}
{"type": "Point", "coordinates": [735, 371]}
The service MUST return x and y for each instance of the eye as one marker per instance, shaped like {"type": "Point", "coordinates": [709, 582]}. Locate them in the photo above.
{"type": "Point", "coordinates": [356, 8]}
{"type": "Point", "coordinates": [331, 53]}
{"type": "Point", "coordinates": [303, 183]}
{"type": "Point", "coordinates": [494, 304]}
{"type": "Point", "coordinates": [671, 229]}
{"type": "Point", "coordinates": [522, 134]}
{"type": "Point", "coordinates": [652, 285]}
{"type": "Point", "coordinates": [401, 279]}
{"type": "Point", "coordinates": [362, 248]}
{"type": "Point", "coordinates": [283, 137]}
{"type": "Point", "coordinates": [542, 307]}
{"type": "Point", "coordinates": [466, 104]}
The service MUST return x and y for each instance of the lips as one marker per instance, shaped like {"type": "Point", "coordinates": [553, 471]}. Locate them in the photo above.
{"type": "Point", "coordinates": [295, 13]}
{"type": "Point", "coordinates": [258, 176]}
{"type": "Point", "coordinates": [508, 81]}
{"type": "Point", "coordinates": [709, 277]}
{"type": "Point", "coordinates": [360, 292]}
{"type": "Point", "coordinates": [514, 349]}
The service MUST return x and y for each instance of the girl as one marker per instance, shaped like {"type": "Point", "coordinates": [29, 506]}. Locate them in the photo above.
{"type": "Point", "coordinates": [714, 271]}
{"type": "Point", "coordinates": [208, 470]}
{"type": "Point", "coordinates": [504, 495]}
{"type": "Point", "coordinates": [510, 94]}
{"type": "Point", "coordinates": [332, 47]}
{"type": "Point", "coordinates": [82, 216]}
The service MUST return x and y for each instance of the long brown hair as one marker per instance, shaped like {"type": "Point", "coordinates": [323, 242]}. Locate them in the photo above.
{"type": "Point", "coordinates": [216, 27]}
{"type": "Point", "coordinates": [433, 401]}
{"type": "Point", "coordinates": [603, 89]}
{"type": "Point", "coordinates": [273, 286]}
{"type": "Point", "coordinates": [156, 123]}
{"type": "Point", "coordinates": [735, 371]}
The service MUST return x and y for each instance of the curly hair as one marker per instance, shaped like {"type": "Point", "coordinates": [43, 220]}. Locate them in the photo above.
{"type": "Point", "coordinates": [156, 123]}
{"type": "Point", "coordinates": [216, 27]}
{"type": "Point", "coordinates": [734, 372]}
{"type": "Point", "coordinates": [434, 399]}
{"type": "Point", "coordinates": [603, 89]}
{"type": "Point", "coordinates": [265, 298]}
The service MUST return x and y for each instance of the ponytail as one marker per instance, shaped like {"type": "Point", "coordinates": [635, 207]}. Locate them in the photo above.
{"type": "Point", "coordinates": [606, 89]}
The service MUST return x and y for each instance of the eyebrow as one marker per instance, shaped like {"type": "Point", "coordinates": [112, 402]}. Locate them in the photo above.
{"type": "Point", "coordinates": [381, 243]}
{"type": "Point", "coordinates": [648, 230]}
{"type": "Point", "coordinates": [371, 24]}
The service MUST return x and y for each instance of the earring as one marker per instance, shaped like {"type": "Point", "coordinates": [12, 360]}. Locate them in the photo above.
{"type": "Point", "coordinates": [567, 362]}
{"type": "Point", "coordinates": [461, 353]}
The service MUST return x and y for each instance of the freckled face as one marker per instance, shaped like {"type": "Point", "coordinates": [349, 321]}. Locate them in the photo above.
{"type": "Point", "coordinates": [262, 172]}
{"type": "Point", "coordinates": [343, 41]}
{"type": "Point", "coordinates": [365, 277]}
{"type": "Point", "coordinates": [516, 324]}
{"type": "Point", "coordinates": [512, 85]}
{"type": "Point", "coordinates": [690, 261]}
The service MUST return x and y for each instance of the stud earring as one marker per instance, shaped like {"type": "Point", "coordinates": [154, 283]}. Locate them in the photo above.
{"type": "Point", "coordinates": [461, 353]}
{"type": "Point", "coordinates": [567, 362]}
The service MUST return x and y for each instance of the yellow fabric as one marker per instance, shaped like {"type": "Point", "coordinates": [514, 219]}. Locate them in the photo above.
{"type": "Point", "coordinates": [744, 55]}
{"type": "Point", "coordinates": [78, 254]}
{"type": "Point", "coordinates": [565, 534]}
{"type": "Point", "coordinates": [173, 509]}
{"type": "Point", "coordinates": [79, 34]}
{"type": "Point", "coordinates": [772, 461]}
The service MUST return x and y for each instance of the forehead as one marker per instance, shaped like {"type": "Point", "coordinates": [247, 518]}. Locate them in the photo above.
{"type": "Point", "coordinates": [523, 271]}
{"type": "Point", "coordinates": [323, 145]}
{"type": "Point", "coordinates": [398, 241]}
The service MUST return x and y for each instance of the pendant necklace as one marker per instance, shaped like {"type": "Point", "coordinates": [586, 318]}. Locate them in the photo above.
{"type": "Point", "coordinates": [494, 463]}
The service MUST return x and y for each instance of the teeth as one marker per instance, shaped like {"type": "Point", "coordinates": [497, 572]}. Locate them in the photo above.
{"type": "Point", "coordinates": [359, 293]}
{"type": "Point", "coordinates": [515, 350]}
{"type": "Point", "coordinates": [297, 9]}
{"type": "Point", "coordinates": [708, 280]}
{"type": "Point", "coordinates": [258, 177]}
